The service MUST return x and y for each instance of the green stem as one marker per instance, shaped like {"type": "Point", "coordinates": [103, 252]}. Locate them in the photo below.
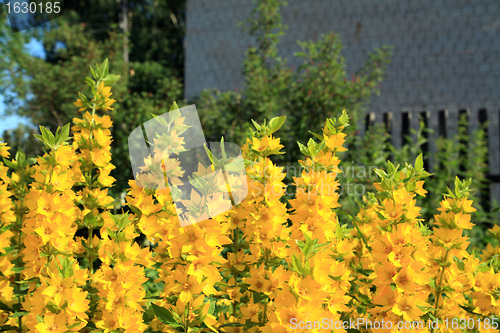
{"type": "Point", "coordinates": [362, 236]}
{"type": "Point", "coordinates": [89, 248]}
{"type": "Point", "coordinates": [186, 316]}
{"type": "Point", "coordinates": [18, 287]}
{"type": "Point", "coordinates": [236, 237]}
{"type": "Point", "coordinates": [89, 185]}
{"type": "Point", "coordinates": [439, 287]}
{"type": "Point", "coordinates": [19, 249]}
{"type": "Point", "coordinates": [264, 317]}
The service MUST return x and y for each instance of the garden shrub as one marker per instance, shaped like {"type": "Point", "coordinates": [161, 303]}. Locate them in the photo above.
{"type": "Point", "coordinates": [70, 264]}
{"type": "Point", "coordinates": [460, 155]}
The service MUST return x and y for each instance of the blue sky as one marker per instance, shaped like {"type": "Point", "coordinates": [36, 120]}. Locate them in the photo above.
{"type": "Point", "coordinates": [11, 122]}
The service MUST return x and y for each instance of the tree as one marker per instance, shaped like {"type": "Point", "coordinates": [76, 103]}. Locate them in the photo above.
{"type": "Point", "coordinates": [315, 91]}
{"type": "Point", "coordinates": [146, 49]}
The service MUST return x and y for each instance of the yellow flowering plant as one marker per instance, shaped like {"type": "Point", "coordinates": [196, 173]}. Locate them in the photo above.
{"type": "Point", "coordinates": [71, 264]}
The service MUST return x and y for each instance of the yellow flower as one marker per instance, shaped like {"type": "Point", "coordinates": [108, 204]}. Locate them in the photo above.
{"type": "Point", "coordinates": [335, 142]}
{"type": "Point", "coordinates": [103, 100]}
{"type": "Point", "coordinates": [267, 143]}
{"type": "Point", "coordinates": [78, 304]}
{"type": "Point", "coordinates": [257, 280]}
{"type": "Point", "coordinates": [188, 286]}
{"type": "Point", "coordinates": [53, 323]}
{"type": "Point", "coordinates": [489, 252]}
{"type": "Point", "coordinates": [420, 189]}
{"type": "Point", "coordinates": [100, 157]}
{"type": "Point", "coordinates": [79, 103]}
{"type": "Point", "coordinates": [405, 280]}
{"type": "Point", "coordinates": [406, 306]}
{"type": "Point", "coordinates": [392, 210]}
{"type": "Point", "coordinates": [385, 298]}
{"type": "Point", "coordinates": [4, 150]}
{"type": "Point", "coordinates": [58, 289]}
{"type": "Point", "coordinates": [109, 321]}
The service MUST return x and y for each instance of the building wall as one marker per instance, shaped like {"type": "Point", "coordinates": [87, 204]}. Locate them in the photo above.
{"type": "Point", "coordinates": [446, 52]}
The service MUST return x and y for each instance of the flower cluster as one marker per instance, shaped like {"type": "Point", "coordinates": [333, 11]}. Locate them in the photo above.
{"type": "Point", "coordinates": [71, 263]}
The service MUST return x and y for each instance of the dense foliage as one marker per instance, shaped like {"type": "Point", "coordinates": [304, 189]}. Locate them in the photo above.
{"type": "Point", "coordinates": [259, 267]}
{"type": "Point", "coordinates": [317, 88]}
{"type": "Point", "coordinates": [147, 50]}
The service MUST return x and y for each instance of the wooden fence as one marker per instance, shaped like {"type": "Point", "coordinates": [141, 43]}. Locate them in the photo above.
{"type": "Point", "coordinates": [445, 123]}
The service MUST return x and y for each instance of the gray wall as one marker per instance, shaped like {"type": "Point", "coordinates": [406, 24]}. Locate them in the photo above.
{"type": "Point", "coordinates": [446, 52]}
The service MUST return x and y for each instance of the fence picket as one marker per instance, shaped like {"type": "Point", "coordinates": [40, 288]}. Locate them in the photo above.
{"type": "Point", "coordinates": [424, 116]}
{"type": "Point", "coordinates": [444, 123]}
{"type": "Point", "coordinates": [396, 138]}
{"type": "Point", "coordinates": [433, 136]}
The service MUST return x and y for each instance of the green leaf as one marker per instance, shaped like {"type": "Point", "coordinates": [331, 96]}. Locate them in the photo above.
{"type": "Point", "coordinates": [303, 149]}
{"type": "Point", "coordinates": [164, 315]}
{"type": "Point", "coordinates": [419, 163]}
{"type": "Point", "coordinates": [427, 308]}
{"type": "Point", "coordinates": [365, 272]}
{"type": "Point", "coordinates": [10, 164]}
{"type": "Point", "coordinates": [343, 213]}
{"type": "Point", "coordinates": [62, 134]}
{"type": "Point", "coordinates": [84, 98]}
{"type": "Point", "coordinates": [344, 119]}
{"type": "Point", "coordinates": [135, 210]}
{"type": "Point", "coordinates": [20, 158]}
{"type": "Point", "coordinates": [380, 216]}
{"type": "Point", "coordinates": [211, 308]}
{"type": "Point", "coordinates": [381, 173]}
{"type": "Point", "coordinates": [460, 263]}
{"type": "Point", "coordinates": [94, 74]}
{"type": "Point", "coordinates": [211, 156]}
{"type": "Point", "coordinates": [17, 269]}
{"type": "Point", "coordinates": [5, 307]}
{"type": "Point", "coordinates": [104, 69]}
{"type": "Point", "coordinates": [257, 126]}
{"type": "Point", "coordinates": [391, 168]}
{"type": "Point", "coordinates": [317, 136]}
{"type": "Point", "coordinates": [297, 265]}
{"type": "Point", "coordinates": [48, 137]}
{"type": "Point", "coordinates": [483, 268]}
{"type": "Point", "coordinates": [232, 325]}
{"type": "Point", "coordinates": [89, 82]}
{"type": "Point", "coordinates": [259, 297]}
{"type": "Point", "coordinates": [173, 107]}
{"type": "Point", "coordinates": [386, 185]}
{"type": "Point", "coordinates": [18, 314]}
{"type": "Point", "coordinates": [276, 123]}
{"type": "Point", "coordinates": [111, 79]}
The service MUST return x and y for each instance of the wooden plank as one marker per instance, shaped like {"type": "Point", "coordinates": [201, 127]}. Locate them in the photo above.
{"type": "Point", "coordinates": [495, 195]}
{"type": "Point", "coordinates": [452, 124]}
{"type": "Point", "coordinates": [360, 122]}
{"type": "Point", "coordinates": [370, 120]}
{"type": "Point", "coordinates": [494, 151]}
{"type": "Point", "coordinates": [433, 136]}
{"type": "Point", "coordinates": [424, 116]}
{"type": "Point", "coordinates": [414, 125]}
{"type": "Point", "coordinates": [494, 141]}
{"type": "Point", "coordinates": [405, 127]}
{"type": "Point", "coordinates": [388, 118]}
{"type": "Point", "coordinates": [464, 153]}
{"type": "Point", "coordinates": [482, 119]}
{"type": "Point", "coordinates": [396, 130]}
{"type": "Point", "coordinates": [443, 116]}
{"type": "Point", "coordinates": [389, 129]}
